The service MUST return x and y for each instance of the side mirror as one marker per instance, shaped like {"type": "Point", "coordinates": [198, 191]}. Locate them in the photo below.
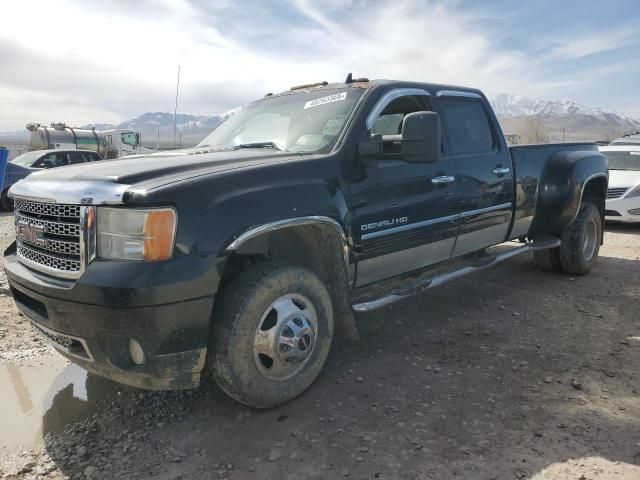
{"type": "Point", "coordinates": [421, 137]}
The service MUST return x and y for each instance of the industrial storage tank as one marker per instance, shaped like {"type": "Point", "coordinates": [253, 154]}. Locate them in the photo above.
{"type": "Point", "coordinates": [58, 135]}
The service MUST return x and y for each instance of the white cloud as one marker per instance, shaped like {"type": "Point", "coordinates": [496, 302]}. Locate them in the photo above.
{"type": "Point", "coordinates": [109, 60]}
{"type": "Point", "coordinates": [593, 43]}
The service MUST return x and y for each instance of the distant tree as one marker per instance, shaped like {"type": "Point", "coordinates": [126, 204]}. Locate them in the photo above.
{"type": "Point", "coordinates": [535, 131]}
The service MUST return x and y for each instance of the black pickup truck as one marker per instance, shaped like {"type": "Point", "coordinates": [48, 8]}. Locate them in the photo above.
{"type": "Point", "coordinates": [244, 253]}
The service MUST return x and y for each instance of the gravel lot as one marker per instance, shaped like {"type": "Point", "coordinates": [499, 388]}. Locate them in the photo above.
{"type": "Point", "coordinates": [509, 374]}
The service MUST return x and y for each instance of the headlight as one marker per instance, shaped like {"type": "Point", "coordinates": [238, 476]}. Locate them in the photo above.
{"type": "Point", "coordinates": [136, 234]}
{"type": "Point", "coordinates": [633, 193]}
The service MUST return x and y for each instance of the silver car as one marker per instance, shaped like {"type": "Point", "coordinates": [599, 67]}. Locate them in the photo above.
{"type": "Point", "coordinates": [30, 162]}
{"type": "Point", "coordinates": [623, 197]}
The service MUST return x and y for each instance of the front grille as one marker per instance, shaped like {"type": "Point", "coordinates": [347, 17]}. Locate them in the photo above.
{"type": "Point", "coordinates": [616, 192]}
{"type": "Point", "coordinates": [48, 209]}
{"type": "Point", "coordinates": [48, 237]}
{"type": "Point", "coordinates": [72, 345]}
{"type": "Point", "coordinates": [49, 261]}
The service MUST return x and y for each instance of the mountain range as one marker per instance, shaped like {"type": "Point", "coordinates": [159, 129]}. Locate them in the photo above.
{"type": "Point", "coordinates": [158, 127]}
{"type": "Point", "coordinates": [560, 120]}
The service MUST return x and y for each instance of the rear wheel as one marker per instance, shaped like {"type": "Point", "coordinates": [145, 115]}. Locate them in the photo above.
{"type": "Point", "coordinates": [578, 252]}
{"type": "Point", "coordinates": [581, 241]}
{"type": "Point", "coordinates": [272, 330]}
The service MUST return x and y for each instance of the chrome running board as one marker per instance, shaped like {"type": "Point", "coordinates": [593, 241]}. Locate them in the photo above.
{"type": "Point", "coordinates": [480, 264]}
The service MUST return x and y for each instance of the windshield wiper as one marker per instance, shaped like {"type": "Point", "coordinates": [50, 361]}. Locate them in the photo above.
{"type": "Point", "coordinates": [273, 145]}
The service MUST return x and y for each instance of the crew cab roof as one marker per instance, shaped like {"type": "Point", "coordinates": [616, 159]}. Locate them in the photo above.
{"type": "Point", "coordinates": [370, 84]}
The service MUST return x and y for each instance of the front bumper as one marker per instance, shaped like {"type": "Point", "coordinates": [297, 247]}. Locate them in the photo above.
{"type": "Point", "coordinates": [173, 335]}
{"type": "Point", "coordinates": [618, 210]}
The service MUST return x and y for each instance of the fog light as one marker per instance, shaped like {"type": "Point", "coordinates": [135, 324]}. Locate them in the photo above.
{"type": "Point", "coordinates": [635, 211]}
{"type": "Point", "coordinates": [136, 352]}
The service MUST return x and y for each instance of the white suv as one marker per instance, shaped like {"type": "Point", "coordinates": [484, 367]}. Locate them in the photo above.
{"type": "Point", "coordinates": [623, 197]}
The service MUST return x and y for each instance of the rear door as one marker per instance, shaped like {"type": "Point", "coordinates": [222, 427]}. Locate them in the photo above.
{"type": "Point", "coordinates": [404, 213]}
{"type": "Point", "coordinates": [78, 157]}
{"type": "Point", "coordinates": [484, 186]}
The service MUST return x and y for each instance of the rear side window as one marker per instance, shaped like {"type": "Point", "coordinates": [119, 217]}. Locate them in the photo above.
{"type": "Point", "coordinates": [77, 157]}
{"type": "Point", "coordinates": [467, 126]}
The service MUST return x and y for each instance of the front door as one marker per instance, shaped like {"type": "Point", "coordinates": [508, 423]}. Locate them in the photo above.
{"type": "Point", "coordinates": [404, 212]}
{"type": "Point", "coordinates": [485, 188]}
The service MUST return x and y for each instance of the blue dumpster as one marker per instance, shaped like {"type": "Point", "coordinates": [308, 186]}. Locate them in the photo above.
{"type": "Point", "coordinates": [4, 155]}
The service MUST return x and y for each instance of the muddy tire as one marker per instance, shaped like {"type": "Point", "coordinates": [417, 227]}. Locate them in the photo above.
{"type": "Point", "coordinates": [6, 203]}
{"type": "Point", "coordinates": [548, 259]}
{"type": "Point", "coordinates": [581, 241]}
{"type": "Point", "coordinates": [271, 334]}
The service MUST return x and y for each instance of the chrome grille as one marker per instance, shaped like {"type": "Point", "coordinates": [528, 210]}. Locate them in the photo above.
{"type": "Point", "coordinates": [616, 192]}
{"type": "Point", "coordinates": [48, 261]}
{"type": "Point", "coordinates": [48, 209]}
{"type": "Point", "coordinates": [48, 237]}
{"type": "Point", "coordinates": [66, 229]}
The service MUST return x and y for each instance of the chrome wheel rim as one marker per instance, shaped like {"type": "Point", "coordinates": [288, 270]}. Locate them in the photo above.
{"type": "Point", "coordinates": [590, 240]}
{"type": "Point", "coordinates": [285, 337]}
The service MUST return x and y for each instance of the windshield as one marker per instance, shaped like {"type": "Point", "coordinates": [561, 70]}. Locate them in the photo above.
{"type": "Point", "coordinates": [300, 122]}
{"type": "Point", "coordinates": [623, 160]}
{"type": "Point", "coordinates": [27, 159]}
{"type": "Point", "coordinates": [130, 138]}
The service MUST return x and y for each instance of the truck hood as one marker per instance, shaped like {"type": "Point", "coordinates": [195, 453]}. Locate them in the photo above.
{"type": "Point", "coordinates": [163, 167]}
{"type": "Point", "coordinates": [624, 178]}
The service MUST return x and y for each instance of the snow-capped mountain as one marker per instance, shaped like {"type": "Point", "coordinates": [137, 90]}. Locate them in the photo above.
{"type": "Point", "coordinates": [153, 124]}
{"type": "Point", "coordinates": [508, 106]}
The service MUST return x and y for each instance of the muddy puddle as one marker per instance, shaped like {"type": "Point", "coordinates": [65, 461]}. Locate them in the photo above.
{"type": "Point", "coordinates": [38, 399]}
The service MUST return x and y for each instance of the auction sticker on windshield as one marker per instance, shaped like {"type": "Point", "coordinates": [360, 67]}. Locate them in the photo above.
{"type": "Point", "coordinates": [337, 97]}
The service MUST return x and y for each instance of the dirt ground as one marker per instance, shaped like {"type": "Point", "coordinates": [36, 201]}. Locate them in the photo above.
{"type": "Point", "coordinates": [513, 373]}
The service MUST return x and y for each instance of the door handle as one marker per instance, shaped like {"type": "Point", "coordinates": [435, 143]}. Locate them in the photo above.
{"type": "Point", "coordinates": [443, 179]}
{"type": "Point", "coordinates": [501, 170]}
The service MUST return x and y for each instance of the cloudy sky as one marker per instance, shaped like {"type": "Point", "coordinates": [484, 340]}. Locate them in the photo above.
{"type": "Point", "coordinates": [106, 61]}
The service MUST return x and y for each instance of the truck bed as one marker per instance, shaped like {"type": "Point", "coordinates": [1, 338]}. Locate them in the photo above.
{"type": "Point", "coordinates": [535, 165]}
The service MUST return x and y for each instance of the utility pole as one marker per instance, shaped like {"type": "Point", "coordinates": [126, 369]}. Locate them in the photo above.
{"type": "Point", "coordinates": [563, 132]}
{"type": "Point", "coordinates": [175, 113]}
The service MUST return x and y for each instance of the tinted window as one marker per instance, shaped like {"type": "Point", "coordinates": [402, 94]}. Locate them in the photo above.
{"type": "Point", "coordinates": [78, 157]}
{"type": "Point", "coordinates": [467, 125]}
{"type": "Point", "coordinates": [52, 160]}
{"type": "Point", "coordinates": [390, 120]}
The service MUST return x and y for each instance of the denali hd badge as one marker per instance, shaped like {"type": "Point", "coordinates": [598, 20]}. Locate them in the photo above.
{"type": "Point", "coordinates": [383, 223]}
{"type": "Point", "coordinates": [31, 233]}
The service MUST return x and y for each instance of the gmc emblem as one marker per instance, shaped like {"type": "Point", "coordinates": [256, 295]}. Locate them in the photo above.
{"type": "Point", "coordinates": [31, 233]}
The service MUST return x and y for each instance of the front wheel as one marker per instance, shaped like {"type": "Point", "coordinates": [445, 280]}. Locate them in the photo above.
{"type": "Point", "coordinates": [271, 334]}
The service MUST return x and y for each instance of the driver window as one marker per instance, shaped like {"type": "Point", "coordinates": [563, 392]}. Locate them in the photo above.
{"type": "Point", "coordinates": [390, 120]}
{"type": "Point", "coordinates": [51, 160]}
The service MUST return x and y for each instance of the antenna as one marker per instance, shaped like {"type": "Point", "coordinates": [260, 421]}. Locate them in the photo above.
{"type": "Point", "coordinates": [175, 113]}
